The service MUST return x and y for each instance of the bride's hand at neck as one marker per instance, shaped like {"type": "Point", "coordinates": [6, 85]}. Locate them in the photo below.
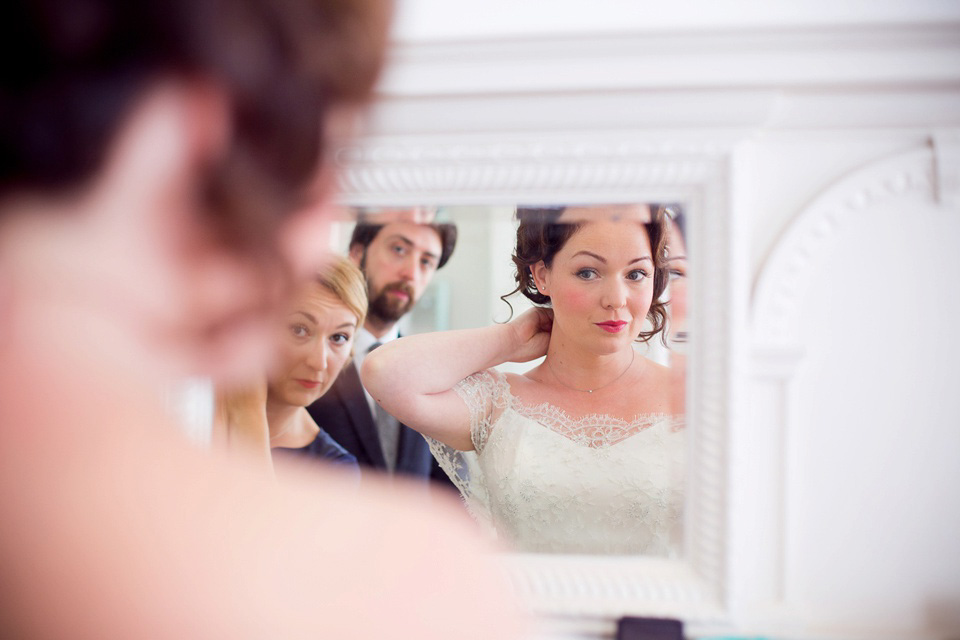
{"type": "Point", "coordinates": [532, 331]}
{"type": "Point", "coordinates": [413, 377]}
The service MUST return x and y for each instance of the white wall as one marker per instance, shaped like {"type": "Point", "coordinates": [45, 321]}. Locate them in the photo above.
{"type": "Point", "coordinates": [420, 21]}
{"type": "Point", "coordinates": [869, 502]}
{"type": "Point", "coordinates": [874, 482]}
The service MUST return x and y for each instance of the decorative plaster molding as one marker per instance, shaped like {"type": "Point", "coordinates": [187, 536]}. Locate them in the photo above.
{"type": "Point", "coordinates": [783, 279]}
{"type": "Point", "coordinates": [565, 146]}
{"type": "Point", "coordinates": [462, 169]}
{"type": "Point", "coordinates": [946, 147]}
{"type": "Point", "coordinates": [612, 587]}
{"type": "Point", "coordinates": [764, 441]}
{"type": "Point", "coordinates": [811, 56]}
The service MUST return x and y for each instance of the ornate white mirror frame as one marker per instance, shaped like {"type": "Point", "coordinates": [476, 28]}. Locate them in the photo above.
{"type": "Point", "coordinates": [582, 591]}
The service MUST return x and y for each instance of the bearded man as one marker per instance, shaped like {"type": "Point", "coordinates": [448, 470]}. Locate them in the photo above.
{"type": "Point", "coordinates": [398, 252]}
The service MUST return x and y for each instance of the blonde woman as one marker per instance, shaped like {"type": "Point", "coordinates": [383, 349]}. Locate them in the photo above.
{"type": "Point", "coordinates": [314, 341]}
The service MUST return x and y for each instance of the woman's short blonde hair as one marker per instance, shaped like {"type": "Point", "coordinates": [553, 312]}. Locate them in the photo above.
{"type": "Point", "coordinates": [346, 282]}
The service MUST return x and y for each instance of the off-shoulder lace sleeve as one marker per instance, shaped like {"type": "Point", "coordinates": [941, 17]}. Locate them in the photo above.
{"type": "Point", "coordinates": [485, 394]}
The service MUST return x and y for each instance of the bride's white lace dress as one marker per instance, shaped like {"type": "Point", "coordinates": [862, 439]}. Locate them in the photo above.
{"type": "Point", "coordinates": [549, 482]}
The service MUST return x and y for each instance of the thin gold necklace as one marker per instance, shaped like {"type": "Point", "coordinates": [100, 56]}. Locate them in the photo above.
{"type": "Point", "coordinates": [606, 384]}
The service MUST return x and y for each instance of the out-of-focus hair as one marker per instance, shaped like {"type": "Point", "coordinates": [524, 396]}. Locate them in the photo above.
{"type": "Point", "coordinates": [540, 236]}
{"type": "Point", "coordinates": [675, 213]}
{"type": "Point", "coordinates": [71, 71]}
{"type": "Point", "coordinates": [345, 281]}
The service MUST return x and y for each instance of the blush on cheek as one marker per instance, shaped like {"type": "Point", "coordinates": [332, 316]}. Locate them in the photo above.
{"type": "Point", "coordinates": [573, 306]}
{"type": "Point", "coordinates": [642, 307]}
{"type": "Point", "coordinates": [574, 299]}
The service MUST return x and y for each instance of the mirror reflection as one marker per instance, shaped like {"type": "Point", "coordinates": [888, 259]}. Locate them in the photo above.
{"type": "Point", "coordinates": [530, 359]}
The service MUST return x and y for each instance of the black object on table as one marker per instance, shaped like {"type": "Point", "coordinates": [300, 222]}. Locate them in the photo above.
{"type": "Point", "coordinates": [649, 629]}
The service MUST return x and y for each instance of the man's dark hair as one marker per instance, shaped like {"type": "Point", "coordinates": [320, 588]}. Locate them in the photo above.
{"type": "Point", "coordinates": [365, 232]}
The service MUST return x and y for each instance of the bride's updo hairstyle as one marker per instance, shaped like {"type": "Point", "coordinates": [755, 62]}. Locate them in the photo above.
{"type": "Point", "coordinates": [540, 236]}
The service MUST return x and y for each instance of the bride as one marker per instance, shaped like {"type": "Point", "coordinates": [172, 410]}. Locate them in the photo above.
{"type": "Point", "coordinates": [584, 452]}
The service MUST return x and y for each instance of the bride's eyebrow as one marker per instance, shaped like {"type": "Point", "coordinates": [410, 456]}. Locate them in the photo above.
{"type": "Point", "coordinates": [591, 254]}
{"type": "Point", "coordinates": [604, 260]}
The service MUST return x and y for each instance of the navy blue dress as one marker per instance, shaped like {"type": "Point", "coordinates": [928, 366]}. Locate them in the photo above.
{"type": "Point", "coordinates": [325, 449]}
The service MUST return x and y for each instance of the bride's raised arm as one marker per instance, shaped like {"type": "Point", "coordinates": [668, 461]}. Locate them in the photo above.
{"type": "Point", "coordinates": [413, 377]}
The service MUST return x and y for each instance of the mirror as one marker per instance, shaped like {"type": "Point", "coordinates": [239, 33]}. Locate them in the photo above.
{"type": "Point", "coordinates": [620, 488]}
{"type": "Point", "coordinates": [500, 169]}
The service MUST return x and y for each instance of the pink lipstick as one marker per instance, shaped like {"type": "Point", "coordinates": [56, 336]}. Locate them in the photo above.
{"type": "Point", "coordinates": [309, 384]}
{"type": "Point", "coordinates": [613, 326]}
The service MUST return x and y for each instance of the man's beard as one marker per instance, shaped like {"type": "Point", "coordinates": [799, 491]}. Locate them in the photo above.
{"type": "Point", "coordinates": [388, 308]}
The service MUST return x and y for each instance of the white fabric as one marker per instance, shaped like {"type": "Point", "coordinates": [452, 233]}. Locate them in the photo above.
{"type": "Point", "coordinates": [546, 481]}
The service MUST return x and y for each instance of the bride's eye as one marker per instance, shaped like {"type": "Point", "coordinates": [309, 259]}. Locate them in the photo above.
{"type": "Point", "coordinates": [588, 274]}
{"type": "Point", "coordinates": [637, 275]}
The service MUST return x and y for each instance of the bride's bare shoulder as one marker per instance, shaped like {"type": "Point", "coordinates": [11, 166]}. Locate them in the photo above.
{"type": "Point", "coordinates": [530, 379]}
{"type": "Point", "coordinates": [654, 369]}
{"type": "Point", "coordinates": [525, 385]}
{"type": "Point", "coordinates": [663, 383]}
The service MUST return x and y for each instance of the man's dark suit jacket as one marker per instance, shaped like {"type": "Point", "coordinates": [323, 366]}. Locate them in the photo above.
{"type": "Point", "coordinates": [343, 412]}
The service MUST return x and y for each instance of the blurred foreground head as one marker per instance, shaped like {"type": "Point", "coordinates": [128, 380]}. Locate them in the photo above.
{"type": "Point", "coordinates": [164, 160]}
{"type": "Point", "coordinates": [162, 183]}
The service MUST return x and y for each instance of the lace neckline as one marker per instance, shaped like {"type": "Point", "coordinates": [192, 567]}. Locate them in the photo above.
{"type": "Point", "coordinates": [595, 430]}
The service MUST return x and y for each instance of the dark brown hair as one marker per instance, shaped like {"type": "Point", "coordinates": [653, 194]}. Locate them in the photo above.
{"type": "Point", "coordinates": [540, 236]}
{"type": "Point", "coordinates": [71, 70]}
{"type": "Point", "coordinates": [364, 233]}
